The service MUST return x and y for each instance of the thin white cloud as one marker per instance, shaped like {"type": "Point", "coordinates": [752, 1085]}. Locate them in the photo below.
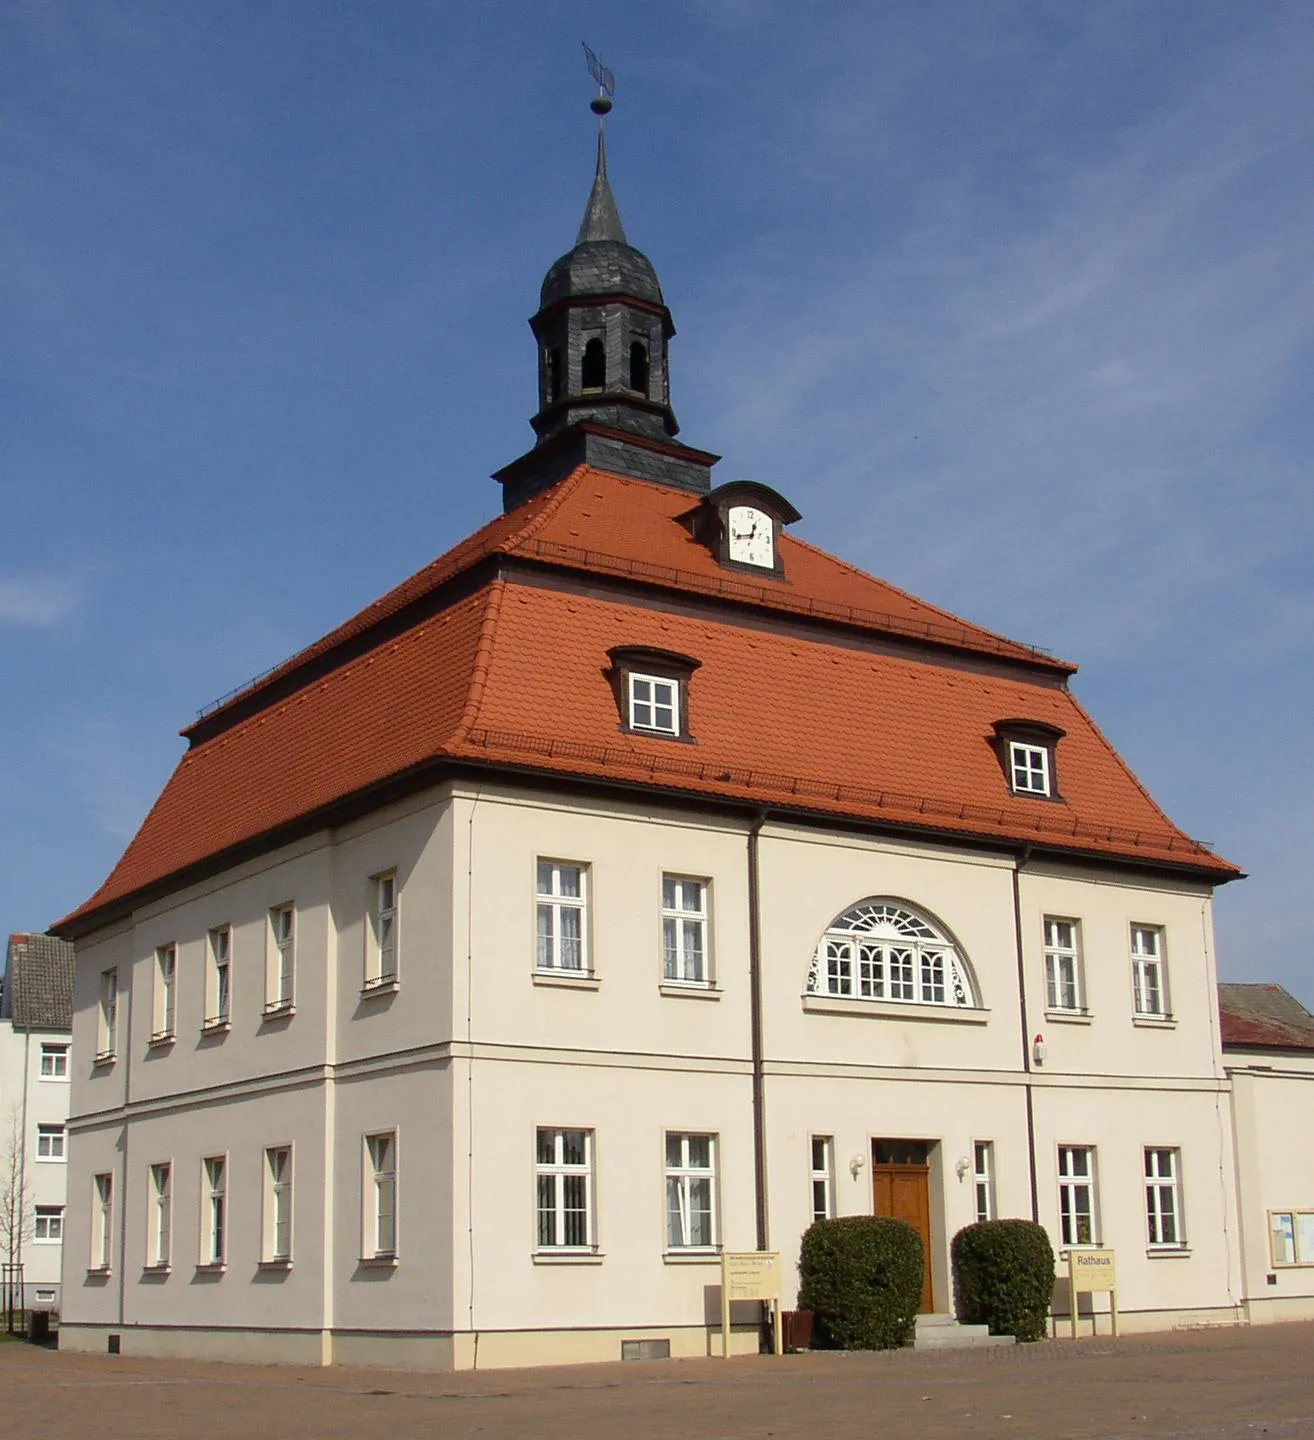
{"type": "Point", "coordinates": [38, 601]}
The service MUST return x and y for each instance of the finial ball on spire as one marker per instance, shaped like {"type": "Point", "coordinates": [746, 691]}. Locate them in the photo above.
{"type": "Point", "coordinates": [600, 104]}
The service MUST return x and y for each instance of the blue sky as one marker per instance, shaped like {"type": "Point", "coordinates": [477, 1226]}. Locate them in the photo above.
{"type": "Point", "coordinates": [1014, 300]}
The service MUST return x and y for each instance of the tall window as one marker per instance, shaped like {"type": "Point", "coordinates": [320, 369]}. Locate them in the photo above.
{"type": "Point", "coordinates": [639, 367]}
{"type": "Point", "coordinates": [684, 930]}
{"type": "Point", "coordinates": [983, 1178]}
{"type": "Point", "coordinates": [1062, 966]}
{"type": "Point", "coordinates": [107, 1021]}
{"type": "Point", "coordinates": [48, 1226]}
{"type": "Point", "coordinates": [690, 1191]}
{"type": "Point", "coordinates": [593, 366]}
{"type": "Point", "coordinates": [381, 942]}
{"type": "Point", "coordinates": [278, 1203]}
{"type": "Point", "coordinates": [50, 1142]}
{"type": "Point", "coordinates": [654, 704]}
{"type": "Point", "coordinates": [882, 951]}
{"type": "Point", "coordinates": [1163, 1198]}
{"type": "Point", "coordinates": [1028, 767]}
{"type": "Point", "coordinates": [282, 958]}
{"type": "Point", "coordinates": [381, 1195]}
{"type": "Point", "coordinates": [1078, 1216]}
{"type": "Point", "coordinates": [214, 1224]}
{"type": "Point", "coordinates": [218, 998]}
{"type": "Point", "coordinates": [1148, 979]}
{"type": "Point", "coordinates": [563, 1176]}
{"type": "Point", "coordinates": [54, 1062]}
{"type": "Point", "coordinates": [102, 1221]}
{"type": "Point", "coordinates": [561, 915]}
{"type": "Point", "coordinates": [823, 1182]}
{"type": "Point", "coordinates": [161, 1213]}
{"type": "Point", "coordinates": [166, 973]}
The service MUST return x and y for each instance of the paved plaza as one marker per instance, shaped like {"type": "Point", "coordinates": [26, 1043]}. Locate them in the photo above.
{"type": "Point", "coordinates": [1237, 1384]}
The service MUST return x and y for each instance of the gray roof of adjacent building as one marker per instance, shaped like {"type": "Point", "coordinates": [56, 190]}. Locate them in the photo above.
{"type": "Point", "coordinates": [1263, 1017]}
{"type": "Point", "coordinates": [38, 988]}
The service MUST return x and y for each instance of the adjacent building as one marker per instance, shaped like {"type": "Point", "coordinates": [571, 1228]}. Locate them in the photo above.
{"type": "Point", "coordinates": [633, 882]}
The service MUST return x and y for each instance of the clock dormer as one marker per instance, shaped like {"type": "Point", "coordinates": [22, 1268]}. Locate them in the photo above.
{"type": "Point", "coordinates": [740, 523]}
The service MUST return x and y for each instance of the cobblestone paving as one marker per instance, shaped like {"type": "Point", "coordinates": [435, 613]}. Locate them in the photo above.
{"type": "Point", "coordinates": [1201, 1385]}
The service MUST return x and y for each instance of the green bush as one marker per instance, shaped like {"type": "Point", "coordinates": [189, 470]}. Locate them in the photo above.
{"type": "Point", "coordinates": [1004, 1271]}
{"type": "Point", "coordinates": [862, 1280]}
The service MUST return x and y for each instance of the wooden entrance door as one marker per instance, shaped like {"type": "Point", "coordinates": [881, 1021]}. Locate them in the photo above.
{"type": "Point", "coordinates": [901, 1190]}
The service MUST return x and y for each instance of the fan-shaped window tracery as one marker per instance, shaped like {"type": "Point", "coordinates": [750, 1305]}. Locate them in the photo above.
{"type": "Point", "coordinates": [881, 950]}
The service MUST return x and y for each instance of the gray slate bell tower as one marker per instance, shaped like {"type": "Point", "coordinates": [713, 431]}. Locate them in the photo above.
{"type": "Point", "coordinates": [604, 395]}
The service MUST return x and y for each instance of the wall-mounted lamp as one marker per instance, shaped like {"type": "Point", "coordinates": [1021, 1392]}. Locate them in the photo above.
{"type": "Point", "coordinates": [961, 1166]}
{"type": "Point", "coordinates": [856, 1164]}
{"type": "Point", "coordinates": [1038, 1049]}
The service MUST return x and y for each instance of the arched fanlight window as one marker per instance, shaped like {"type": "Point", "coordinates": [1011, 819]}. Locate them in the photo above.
{"type": "Point", "coordinates": [881, 950]}
{"type": "Point", "coordinates": [593, 367]}
{"type": "Point", "coordinates": [639, 367]}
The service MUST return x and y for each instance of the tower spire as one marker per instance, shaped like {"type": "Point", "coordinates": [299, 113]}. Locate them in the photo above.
{"type": "Point", "coordinates": [601, 217]}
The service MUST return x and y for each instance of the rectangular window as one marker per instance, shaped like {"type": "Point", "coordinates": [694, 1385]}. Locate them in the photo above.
{"type": "Point", "coordinates": [281, 963]}
{"type": "Point", "coordinates": [1078, 1216]}
{"type": "Point", "coordinates": [563, 1177]}
{"type": "Point", "coordinates": [684, 930]}
{"type": "Point", "coordinates": [690, 1191]}
{"type": "Point", "coordinates": [102, 1222]}
{"type": "Point", "coordinates": [278, 1203]}
{"type": "Point", "coordinates": [218, 997]}
{"type": "Point", "coordinates": [654, 704]}
{"type": "Point", "coordinates": [823, 1182]}
{"type": "Point", "coordinates": [1029, 767]}
{"type": "Point", "coordinates": [1163, 1198]}
{"type": "Point", "coordinates": [107, 1020]}
{"type": "Point", "coordinates": [214, 1222]}
{"type": "Point", "coordinates": [381, 942]}
{"type": "Point", "coordinates": [166, 972]}
{"type": "Point", "coordinates": [983, 1178]}
{"type": "Point", "coordinates": [1063, 990]}
{"type": "Point", "coordinates": [54, 1062]}
{"type": "Point", "coordinates": [1148, 979]}
{"type": "Point", "coordinates": [562, 915]}
{"type": "Point", "coordinates": [381, 1195]}
{"type": "Point", "coordinates": [49, 1224]}
{"type": "Point", "coordinates": [161, 1216]}
{"type": "Point", "coordinates": [1291, 1236]}
{"type": "Point", "coordinates": [50, 1142]}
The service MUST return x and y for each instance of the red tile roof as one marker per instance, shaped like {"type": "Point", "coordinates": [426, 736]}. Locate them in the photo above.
{"type": "Point", "coordinates": [1264, 1017]}
{"type": "Point", "coordinates": [827, 719]}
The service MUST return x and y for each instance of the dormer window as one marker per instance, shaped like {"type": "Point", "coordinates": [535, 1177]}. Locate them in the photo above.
{"type": "Point", "coordinates": [652, 690]}
{"type": "Point", "coordinates": [1026, 750]}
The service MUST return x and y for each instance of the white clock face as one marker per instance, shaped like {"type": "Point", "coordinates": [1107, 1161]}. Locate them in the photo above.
{"type": "Point", "coordinates": [752, 537]}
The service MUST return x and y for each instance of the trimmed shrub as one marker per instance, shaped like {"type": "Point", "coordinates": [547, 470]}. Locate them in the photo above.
{"type": "Point", "coordinates": [1004, 1271]}
{"type": "Point", "coordinates": [862, 1280]}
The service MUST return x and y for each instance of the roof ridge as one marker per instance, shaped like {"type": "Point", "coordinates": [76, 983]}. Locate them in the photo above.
{"type": "Point", "coordinates": [479, 670]}
{"type": "Point", "coordinates": [553, 498]}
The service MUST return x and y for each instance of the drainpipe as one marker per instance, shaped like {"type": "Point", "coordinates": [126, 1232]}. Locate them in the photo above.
{"type": "Point", "coordinates": [755, 1003]}
{"type": "Point", "coordinates": [1026, 1032]}
{"type": "Point", "coordinates": [22, 1169]}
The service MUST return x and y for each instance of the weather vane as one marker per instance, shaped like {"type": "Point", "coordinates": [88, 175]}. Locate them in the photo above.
{"type": "Point", "coordinates": [601, 102]}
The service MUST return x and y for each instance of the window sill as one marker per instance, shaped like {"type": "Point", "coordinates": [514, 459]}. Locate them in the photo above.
{"type": "Point", "coordinates": [378, 1262]}
{"type": "Point", "coordinates": [1154, 1022]}
{"type": "Point", "coordinates": [216, 1027]}
{"type": "Point", "coordinates": [275, 1265]}
{"type": "Point", "coordinates": [708, 1256]}
{"type": "Point", "coordinates": [51, 1159]}
{"type": "Point", "coordinates": [1168, 1252]}
{"type": "Point", "coordinates": [1068, 1017]}
{"type": "Point", "coordinates": [278, 1010]}
{"type": "Point", "coordinates": [566, 979]}
{"type": "Point", "coordinates": [98, 1272]}
{"type": "Point", "coordinates": [212, 1267]}
{"type": "Point", "coordinates": [567, 1257]}
{"type": "Point", "coordinates": [388, 986]}
{"type": "Point", "coordinates": [105, 1057]}
{"type": "Point", "coordinates": [690, 990]}
{"type": "Point", "coordinates": [815, 1004]}
{"type": "Point", "coordinates": [164, 1268]}
{"type": "Point", "coordinates": [163, 1040]}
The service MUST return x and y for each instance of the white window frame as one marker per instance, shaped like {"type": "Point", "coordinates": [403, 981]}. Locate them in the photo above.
{"type": "Point", "coordinates": [983, 1180]}
{"type": "Point", "coordinates": [214, 1217]}
{"type": "Point", "coordinates": [681, 1178]}
{"type": "Point", "coordinates": [552, 1185]}
{"type": "Point", "coordinates": [382, 934]}
{"type": "Point", "coordinates": [48, 1225]}
{"type": "Point", "coordinates": [1291, 1228]}
{"type": "Point", "coordinates": [883, 950]}
{"type": "Point", "coordinates": [1149, 972]}
{"type": "Point", "coordinates": [1163, 1198]}
{"type": "Point", "coordinates": [276, 1230]}
{"type": "Point", "coordinates": [551, 907]}
{"type": "Point", "coordinates": [218, 978]}
{"type": "Point", "coordinates": [52, 1144]}
{"type": "Point", "coordinates": [54, 1061]}
{"type": "Point", "coordinates": [380, 1196]}
{"type": "Point", "coordinates": [281, 965]}
{"type": "Point", "coordinates": [107, 1015]}
{"type": "Point", "coordinates": [662, 699]}
{"type": "Point", "coordinates": [686, 933]}
{"type": "Point", "coordinates": [1065, 991]}
{"type": "Point", "coordinates": [160, 1220]}
{"type": "Point", "coordinates": [1029, 768]}
{"type": "Point", "coordinates": [102, 1221]}
{"type": "Point", "coordinates": [821, 1151]}
{"type": "Point", "coordinates": [165, 1019]}
{"type": "Point", "coordinates": [1071, 1182]}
